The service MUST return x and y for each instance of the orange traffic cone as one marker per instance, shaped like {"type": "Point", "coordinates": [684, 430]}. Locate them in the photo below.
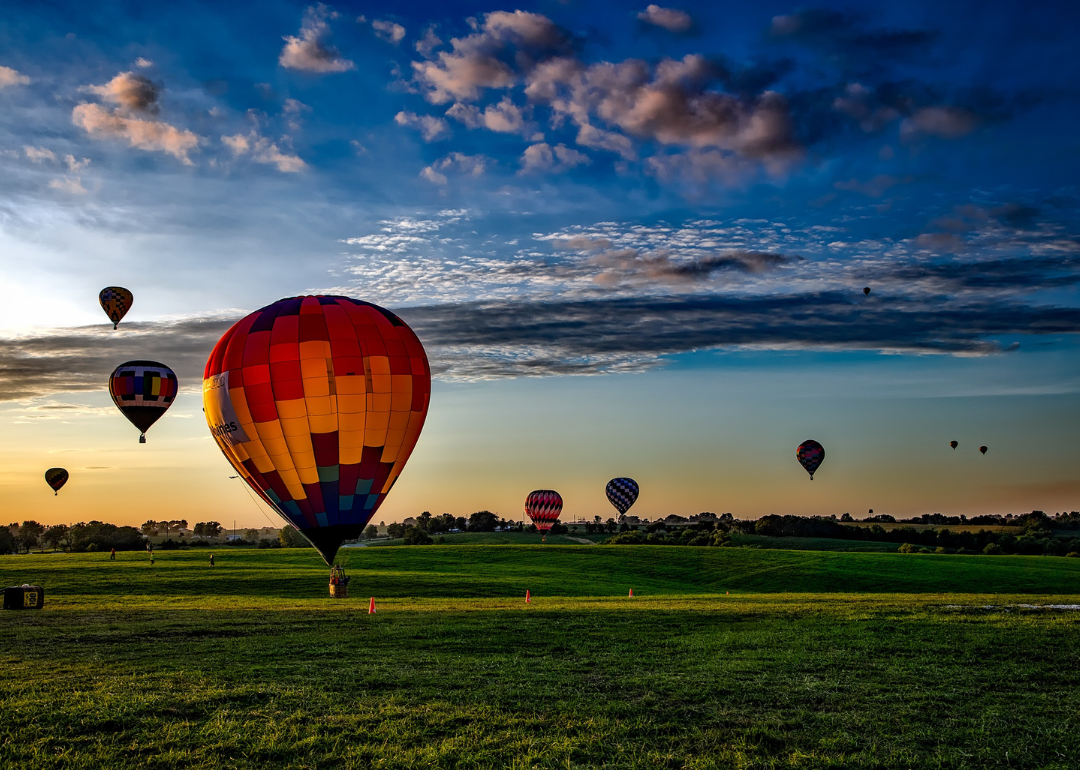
{"type": "Point", "coordinates": [631, 593]}
{"type": "Point", "coordinates": [371, 607]}
{"type": "Point", "coordinates": [528, 596]}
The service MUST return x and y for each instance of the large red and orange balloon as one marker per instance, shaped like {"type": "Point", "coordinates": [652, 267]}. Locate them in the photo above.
{"type": "Point", "coordinates": [317, 403]}
{"type": "Point", "coordinates": [543, 507]}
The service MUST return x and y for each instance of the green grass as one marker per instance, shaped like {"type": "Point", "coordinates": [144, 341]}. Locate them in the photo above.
{"type": "Point", "coordinates": [500, 538]}
{"type": "Point", "coordinates": [811, 543]}
{"type": "Point", "coordinates": [814, 660]}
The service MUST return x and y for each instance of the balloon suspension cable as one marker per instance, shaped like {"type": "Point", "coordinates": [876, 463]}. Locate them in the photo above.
{"type": "Point", "coordinates": [256, 502]}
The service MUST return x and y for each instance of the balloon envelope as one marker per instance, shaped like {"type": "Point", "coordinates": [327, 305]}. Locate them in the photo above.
{"type": "Point", "coordinates": [954, 444]}
{"type": "Point", "coordinates": [56, 478]}
{"type": "Point", "coordinates": [543, 507]}
{"type": "Point", "coordinates": [317, 403]}
{"type": "Point", "coordinates": [143, 391]}
{"type": "Point", "coordinates": [866, 291]}
{"type": "Point", "coordinates": [622, 493]}
{"type": "Point", "coordinates": [982, 449]}
{"type": "Point", "coordinates": [811, 454]}
{"type": "Point", "coordinates": [116, 302]}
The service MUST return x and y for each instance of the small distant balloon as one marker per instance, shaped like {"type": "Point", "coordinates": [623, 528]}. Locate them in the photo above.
{"type": "Point", "coordinates": [543, 507]}
{"type": "Point", "coordinates": [954, 444]}
{"type": "Point", "coordinates": [866, 291]}
{"type": "Point", "coordinates": [982, 449]}
{"type": "Point", "coordinates": [622, 493]}
{"type": "Point", "coordinates": [811, 455]}
{"type": "Point", "coordinates": [56, 478]}
{"type": "Point", "coordinates": [143, 391]}
{"type": "Point", "coordinates": [116, 302]}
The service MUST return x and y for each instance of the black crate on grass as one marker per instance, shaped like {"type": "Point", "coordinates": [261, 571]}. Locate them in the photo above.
{"type": "Point", "coordinates": [24, 597]}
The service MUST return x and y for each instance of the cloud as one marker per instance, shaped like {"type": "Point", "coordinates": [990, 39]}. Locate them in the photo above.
{"type": "Point", "coordinates": [262, 150]}
{"type": "Point", "coordinates": [668, 18]}
{"type": "Point", "coordinates": [132, 92]}
{"type": "Point", "coordinates": [69, 185]}
{"type": "Point", "coordinates": [311, 50]}
{"type": "Point", "coordinates": [632, 264]}
{"type": "Point", "coordinates": [38, 154]}
{"type": "Point", "coordinates": [431, 128]}
{"type": "Point", "coordinates": [490, 58]}
{"type": "Point", "coordinates": [388, 31]}
{"type": "Point", "coordinates": [1011, 274]}
{"type": "Point", "coordinates": [470, 165]}
{"type": "Point", "coordinates": [523, 337]}
{"type": "Point", "coordinates": [10, 77]}
{"type": "Point", "coordinates": [428, 43]}
{"type": "Point", "coordinates": [875, 187]}
{"type": "Point", "coordinates": [544, 157]}
{"type": "Point", "coordinates": [846, 43]}
{"type": "Point", "coordinates": [141, 62]}
{"type": "Point", "coordinates": [865, 106]}
{"type": "Point", "coordinates": [504, 117]}
{"type": "Point", "coordinates": [946, 122]}
{"type": "Point", "coordinates": [149, 135]}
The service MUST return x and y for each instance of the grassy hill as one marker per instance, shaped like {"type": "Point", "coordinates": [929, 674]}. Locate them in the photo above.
{"type": "Point", "coordinates": [814, 660]}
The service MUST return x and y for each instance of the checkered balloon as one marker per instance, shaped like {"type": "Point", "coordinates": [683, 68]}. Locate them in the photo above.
{"type": "Point", "coordinates": [543, 507]}
{"type": "Point", "coordinates": [317, 403]}
{"type": "Point", "coordinates": [622, 492]}
{"type": "Point", "coordinates": [143, 391]}
{"type": "Point", "coordinates": [115, 301]}
{"type": "Point", "coordinates": [811, 454]}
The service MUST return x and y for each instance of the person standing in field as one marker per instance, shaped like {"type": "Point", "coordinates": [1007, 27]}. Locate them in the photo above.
{"type": "Point", "coordinates": [211, 560]}
{"type": "Point", "coordinates": [150, 547]}
{"type": "Point", "coordinates": [112, 555]}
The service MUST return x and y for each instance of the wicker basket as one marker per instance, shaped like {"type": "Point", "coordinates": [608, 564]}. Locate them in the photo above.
{"type": "Point", "coordinates": [339, 591]}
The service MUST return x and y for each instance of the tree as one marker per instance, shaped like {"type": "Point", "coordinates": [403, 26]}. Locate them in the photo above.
{"type": "Point", "coordinates": [371, 532]}
{"type": "Point", "coordinates": [289, 537]}
{"type": "Point", "coordinates": [482, 521]}
{"type": "Point", "coordinates": [423, 521]}
{"type": "Point", "coordinates": [149, 528]}
{"type": "Point", "coordinates": [251, 535]}
{"type": "Point", "coordinates": [993, 549]}
{"type": "Point", "coordinates": [207, 529]}
{"type": "Point", "coordinates": [56, 535]}
{"type": "Point", "coordinates": [417, 536]}
{"type": "Point", "coordinates": [7, 541]}
{"type": "Point", "coordinates": [395, 530]}
{"type": "Point", "coordinates": [30, 534]}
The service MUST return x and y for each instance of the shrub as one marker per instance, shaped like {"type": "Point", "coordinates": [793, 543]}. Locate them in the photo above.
{"type": "Point", "coordinates": [168, 545]}
{"type": "Point", "coordinates": [1072, 555]}
{"type": "Point", "coordinates": [993, 549]}
{"type": "Point", "coordinates": [940, 549]}
{"type": "Point", "coordinates": [908, 548]}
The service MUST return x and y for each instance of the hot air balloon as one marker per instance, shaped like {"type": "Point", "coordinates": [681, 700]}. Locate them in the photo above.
{"type": "Point", "coordinates": [543, 507]}
{"type": "Point", "coordinates": [56, 478]}
{"type": "Point", "coordinates": [866, 291]}
{"type": "Point", "coordinates": [116, 302]}
{"type": "Point", "coordinates": [811, 454]}
{"type": "Point", "coordinates": [143, 391]}
{"type": "Point", "coordinates": [982, 449]}
{"type": "Point", "coordinates": [622, 493]}
{"type": "Point", "coordinates": [954, 444]}
{"type": "Point", "coordinates": [317, 403]}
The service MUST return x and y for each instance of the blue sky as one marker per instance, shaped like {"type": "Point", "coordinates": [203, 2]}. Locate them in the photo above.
{"type": "Point", "coordinates": [674, 200]}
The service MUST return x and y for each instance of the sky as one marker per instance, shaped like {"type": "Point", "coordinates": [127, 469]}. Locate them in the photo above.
{"type": "Point", "coordinates": [632, 238]}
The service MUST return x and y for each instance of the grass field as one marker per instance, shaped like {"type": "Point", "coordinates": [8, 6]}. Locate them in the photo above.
{"type": "Point", "coordinates": [814, 660]}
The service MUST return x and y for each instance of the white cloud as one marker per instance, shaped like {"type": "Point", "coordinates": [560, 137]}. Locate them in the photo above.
{"type": "Point", "coordinates": [388, 31]}
{"type": "Point", "coordinates": [544, 157]}
{"type": "Point", "coordinates": [469, 165]}
{"type": "Point", "coordinates": [262, 150]}
{"type": "Point", "coordinates": [946, 122]}
{"type": "Point", "coordinates": [310, 51]}
{"type": "Point", "coordinates": [141, 62]}
{"type": "Point", "coordinates": [144, 134]}
{"type": "Point", "coordinates": [504, 117]}
{"type": "Point", "coordinates": [38, 154]}
{"type": "Point", "coordinates": [428, 43]}
{"type": "Point", "coordinates": [130, 91]}
{"type": "Point", "coordinates": [668, 18]}
{"type": "Point", "coordinates": [430, 127]}
{"type": "Point", "coordinates": [10, 77]}
{"type": "Point", "coordinates": [69, 185]}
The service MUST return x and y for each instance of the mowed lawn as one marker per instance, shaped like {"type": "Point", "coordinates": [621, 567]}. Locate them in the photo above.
{"type": "Point", "coordinates": [813, 660]}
